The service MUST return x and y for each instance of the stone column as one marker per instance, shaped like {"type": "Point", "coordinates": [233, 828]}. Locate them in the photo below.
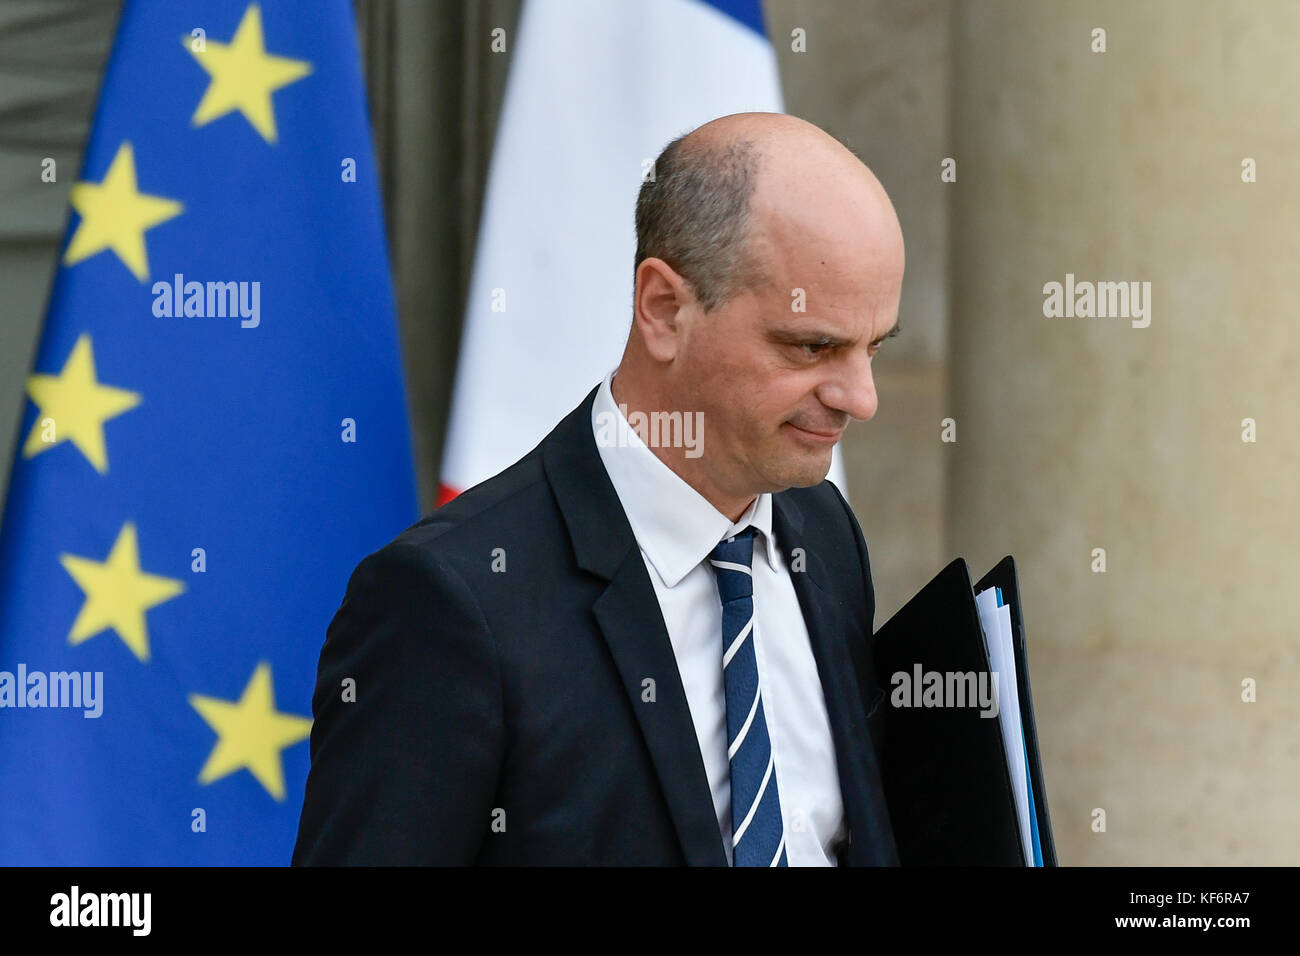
{"type": "Point", "coordinates": [1083, 435]}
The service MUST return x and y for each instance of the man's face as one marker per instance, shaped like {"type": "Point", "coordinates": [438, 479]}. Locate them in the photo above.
{"type": "Point", "coordinates": [766, 374]}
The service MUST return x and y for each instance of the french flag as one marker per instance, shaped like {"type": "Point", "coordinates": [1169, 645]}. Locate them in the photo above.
{"type": "Point", "coordinates": [595, 90]}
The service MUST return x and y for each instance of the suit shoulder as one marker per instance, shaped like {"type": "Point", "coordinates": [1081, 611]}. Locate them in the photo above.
{"type": "Point", "coordinates": [823, 507]}
{"type": "Point", "coordinates": [501, 507]}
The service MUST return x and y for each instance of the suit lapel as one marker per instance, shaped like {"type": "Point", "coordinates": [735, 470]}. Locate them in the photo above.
{"type": "Point", "coordinates": [871, 838]}
{"type": "Point", "coordinates": [633, 627]}
{"type": "Point", "coordinates": [629, 616]}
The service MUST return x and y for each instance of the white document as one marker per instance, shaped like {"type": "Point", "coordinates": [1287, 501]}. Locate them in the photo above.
{"type": "Point", "coordinates": [996, 623]}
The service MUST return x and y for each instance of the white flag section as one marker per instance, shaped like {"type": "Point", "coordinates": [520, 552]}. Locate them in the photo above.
{"type": "Point", "coordinates": [594, 92]}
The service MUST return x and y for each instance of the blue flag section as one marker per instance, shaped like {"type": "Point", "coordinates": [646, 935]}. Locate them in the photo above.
{"type": "Point", "coordinates": [215, 434]}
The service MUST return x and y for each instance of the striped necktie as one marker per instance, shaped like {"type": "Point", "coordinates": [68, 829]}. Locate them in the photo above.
{"type": "Point", "coordinates": [757, 827]}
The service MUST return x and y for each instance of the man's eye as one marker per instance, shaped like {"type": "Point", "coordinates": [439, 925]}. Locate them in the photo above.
{"type": "Point", "coordinates": [814, 348]}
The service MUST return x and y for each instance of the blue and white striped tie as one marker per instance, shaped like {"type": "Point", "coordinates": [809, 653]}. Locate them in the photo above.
{"type": "Point", "coordinates": [757, 828]}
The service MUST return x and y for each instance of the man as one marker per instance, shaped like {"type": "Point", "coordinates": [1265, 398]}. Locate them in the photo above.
{"type": "Point", "coordinates": [630, 648]}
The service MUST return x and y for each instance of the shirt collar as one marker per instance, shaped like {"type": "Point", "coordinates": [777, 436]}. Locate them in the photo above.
{"type": "Point", "coordinates": [674, 524]}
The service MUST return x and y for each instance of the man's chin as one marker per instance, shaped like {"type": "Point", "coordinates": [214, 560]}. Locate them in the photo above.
{"type": "Point", "coordinates": [810, 470]}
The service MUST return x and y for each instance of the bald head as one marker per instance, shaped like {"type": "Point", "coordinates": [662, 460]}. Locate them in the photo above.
{"type": "Point", "coordinates": [730, 198]}
{"type": "Point", "coordinates": [768, 274]}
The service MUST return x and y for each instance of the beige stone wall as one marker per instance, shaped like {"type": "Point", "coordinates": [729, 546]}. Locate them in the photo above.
{"type": "Point", "coordinates": [1083, 433]}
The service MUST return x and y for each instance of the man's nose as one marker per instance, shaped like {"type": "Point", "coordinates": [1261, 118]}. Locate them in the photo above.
{"type": "Point", "coordinates": [852, 389]}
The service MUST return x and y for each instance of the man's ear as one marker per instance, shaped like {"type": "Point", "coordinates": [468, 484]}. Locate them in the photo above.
{"type": "Point", "coordinates": [661, 293]}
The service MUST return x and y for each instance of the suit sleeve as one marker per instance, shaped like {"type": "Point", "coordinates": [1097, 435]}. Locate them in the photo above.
{"type": "Point", "coordinates": [406, 773]}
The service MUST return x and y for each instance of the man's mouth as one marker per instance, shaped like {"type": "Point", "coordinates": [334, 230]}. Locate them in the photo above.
{"type": "Point", "coordinates": [828, 438]}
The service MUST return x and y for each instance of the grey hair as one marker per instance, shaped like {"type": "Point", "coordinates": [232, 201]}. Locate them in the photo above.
{"type": "Point", "coordinates": [693, 212]}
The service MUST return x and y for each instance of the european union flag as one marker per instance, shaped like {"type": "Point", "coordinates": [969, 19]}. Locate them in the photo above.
{"type": "Point", "coordinates": [216, 433]}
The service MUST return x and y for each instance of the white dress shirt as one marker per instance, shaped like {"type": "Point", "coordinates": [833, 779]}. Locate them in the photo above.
{"type": "Point", "coordinates": [676, 528]}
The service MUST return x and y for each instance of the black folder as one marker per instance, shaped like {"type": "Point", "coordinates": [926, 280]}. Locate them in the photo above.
{"type": "Point", "coordinates": [944, 769]}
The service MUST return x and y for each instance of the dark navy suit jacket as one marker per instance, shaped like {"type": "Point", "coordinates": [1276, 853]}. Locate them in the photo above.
{"type": "Point", "coordinates": [499, 715]}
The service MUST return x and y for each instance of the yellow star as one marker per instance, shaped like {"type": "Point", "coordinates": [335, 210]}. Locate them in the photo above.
{"type": "Point", "coordinates": [244, 75]}
{"type": "Point", "coordinates": [73, 405]}
{"type": "Point", "coordinates": [118, 593]}
{"type": "Point", "coordinates": [115, 214]}
{"type": "Point", "coordinates": [251, 733]}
